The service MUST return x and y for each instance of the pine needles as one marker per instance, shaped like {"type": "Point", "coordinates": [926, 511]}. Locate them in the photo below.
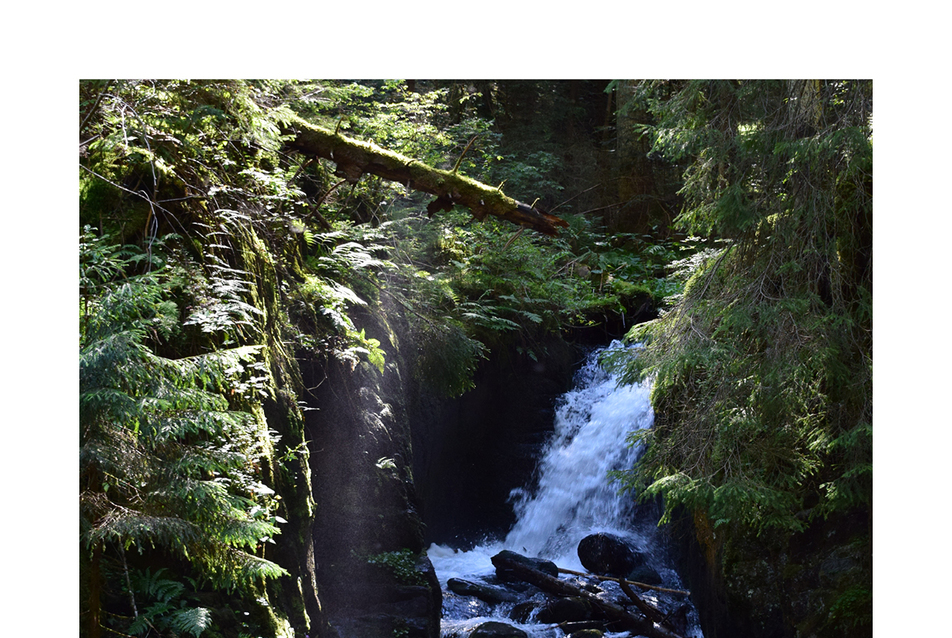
{"type": "Point", "coordinates": [763, 370]}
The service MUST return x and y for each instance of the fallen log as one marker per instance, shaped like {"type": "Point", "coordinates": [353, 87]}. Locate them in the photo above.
{"type": "Point", "coordinates": [505, 561]}
{"type": "Point", "coordinates": [355, 158]}
{"type": "Point", "coordinates": [620, 580]}
{"type": "Point", "coordinates": [652, 614]}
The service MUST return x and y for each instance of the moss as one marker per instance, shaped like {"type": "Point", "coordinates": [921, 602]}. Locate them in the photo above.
{"type": "Point", "coordinates": [401, 564]}
{"type": "Point", "coordinates": [628, 289]}
{"type": "Point", "coordinates": [285, 464]}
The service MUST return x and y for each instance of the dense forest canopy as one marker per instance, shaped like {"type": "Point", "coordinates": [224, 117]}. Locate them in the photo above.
{"type": "Point", "coordinates": [217, 245]}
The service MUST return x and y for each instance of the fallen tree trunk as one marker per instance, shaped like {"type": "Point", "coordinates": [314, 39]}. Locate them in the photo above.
{"type": "Point", "coordinates": [507, 561]}
{"type": "Point", "coordinates": [355, 158]}
{"type": "Point", "coordinates": [650, 612]}
{"type": "Point", "coordinates": [621, 580]}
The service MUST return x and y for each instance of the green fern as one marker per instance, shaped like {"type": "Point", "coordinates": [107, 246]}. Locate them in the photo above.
{"type": "Point", "coordinates": [447, 357]}
{"type": "Point", "coordinates": [155, 586]}
{"type": "Point", "coordinates": [164, 607]}
{"type": "Point", "coordinates": [193, 620]}
{"type": "Point", "coordinates": [223, 302]}
{"type": "Point", "coordinates": [164, 462]}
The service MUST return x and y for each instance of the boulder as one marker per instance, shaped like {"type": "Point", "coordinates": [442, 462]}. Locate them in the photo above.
{"type": "Point", "coordinates": [578, 629]}
{"type": "Point", "coordinates": [608, 555]}
{"type": "Point", "coordinates": [645, 574]}
{"type": "Point", "coordinates": [679, 620]}
{"type": "Point", "coordinates": [493, 629]}
{"type": "Point", "coordinates": [522, 611]}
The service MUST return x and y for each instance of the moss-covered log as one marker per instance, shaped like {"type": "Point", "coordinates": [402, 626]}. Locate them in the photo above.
{"type": "Point", "coordinates": [355, 158]}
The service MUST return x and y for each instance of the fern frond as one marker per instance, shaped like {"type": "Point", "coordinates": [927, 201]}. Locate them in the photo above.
{"type": "Point", "coordinates": [155, 586]}
{"type": "Point", "coordinates": [192, 620]}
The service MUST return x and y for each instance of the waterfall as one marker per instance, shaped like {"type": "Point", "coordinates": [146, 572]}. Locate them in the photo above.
{"type": "Point", "coordinates": [574, 496]}
{"type": "Point", "coordinates": [570, 497]}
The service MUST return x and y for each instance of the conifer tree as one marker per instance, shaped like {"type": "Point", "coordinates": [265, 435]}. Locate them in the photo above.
{"type": "Point", "coordinates": [763, 367]}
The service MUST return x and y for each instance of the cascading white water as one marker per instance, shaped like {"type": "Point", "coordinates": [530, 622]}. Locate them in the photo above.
{"type": "Point", "coordinates": [574, 496]}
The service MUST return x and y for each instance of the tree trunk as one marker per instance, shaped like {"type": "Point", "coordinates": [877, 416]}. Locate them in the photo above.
{"type": "Point", "coordinates": [94, 583]}
{"type": "Point", "coordinates": [355, 158]}
{"type": "Point", "coordinates": [641, 206]}
{"type": "Point", "coordinates": [620, 580]}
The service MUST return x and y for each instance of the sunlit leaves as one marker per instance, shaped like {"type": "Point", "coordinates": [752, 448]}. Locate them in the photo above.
{"type": "Point", "coordinates": [165, 462]}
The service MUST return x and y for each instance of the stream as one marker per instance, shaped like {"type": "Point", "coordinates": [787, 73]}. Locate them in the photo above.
{"type": "Point", "coordinates": [570, 497]}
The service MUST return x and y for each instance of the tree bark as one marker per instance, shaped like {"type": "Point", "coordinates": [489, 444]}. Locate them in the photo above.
{"type": "Point", "coordinates": [355, 158]}
{"type": "Point", "coordinates": [554, 585]}
{"type": "Point", "coordinates": [650, 612]}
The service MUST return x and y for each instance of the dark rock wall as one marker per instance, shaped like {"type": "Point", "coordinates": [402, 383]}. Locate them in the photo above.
{"type": "Point", "coordinates": [373, 575]}
{"type": "Point", "coordinates": [471, 452]}
{"type": "Point", "coordinates": [395, 466]}
{"type": "Point", "coordinates": [298, 595]}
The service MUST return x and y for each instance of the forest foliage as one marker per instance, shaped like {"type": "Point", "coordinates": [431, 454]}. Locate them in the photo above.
{"type": "Point", "coordinates": [763, 368]}
{"type": "Point", "coordinates": [211, 253]}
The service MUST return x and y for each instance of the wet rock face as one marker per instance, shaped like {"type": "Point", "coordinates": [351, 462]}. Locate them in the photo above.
{"type": "Point", "coordinates": [560, 610]}
{"type": "Point", "coordinates": [485, 593]}
{"type": "Point", "coordinates": [539, 564]}
{"type": "Point", "coordinates": [470, 452]}
{"type": "Point", "coordinates": [779, 586]}
{"type": "Point", "coordinates": [521, 612]}
{"type": "Point", "coordinates": [372, 574]}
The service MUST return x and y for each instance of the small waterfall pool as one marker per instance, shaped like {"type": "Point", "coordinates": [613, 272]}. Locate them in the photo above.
{"type": "Point", "coordinates": [572, 497]}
